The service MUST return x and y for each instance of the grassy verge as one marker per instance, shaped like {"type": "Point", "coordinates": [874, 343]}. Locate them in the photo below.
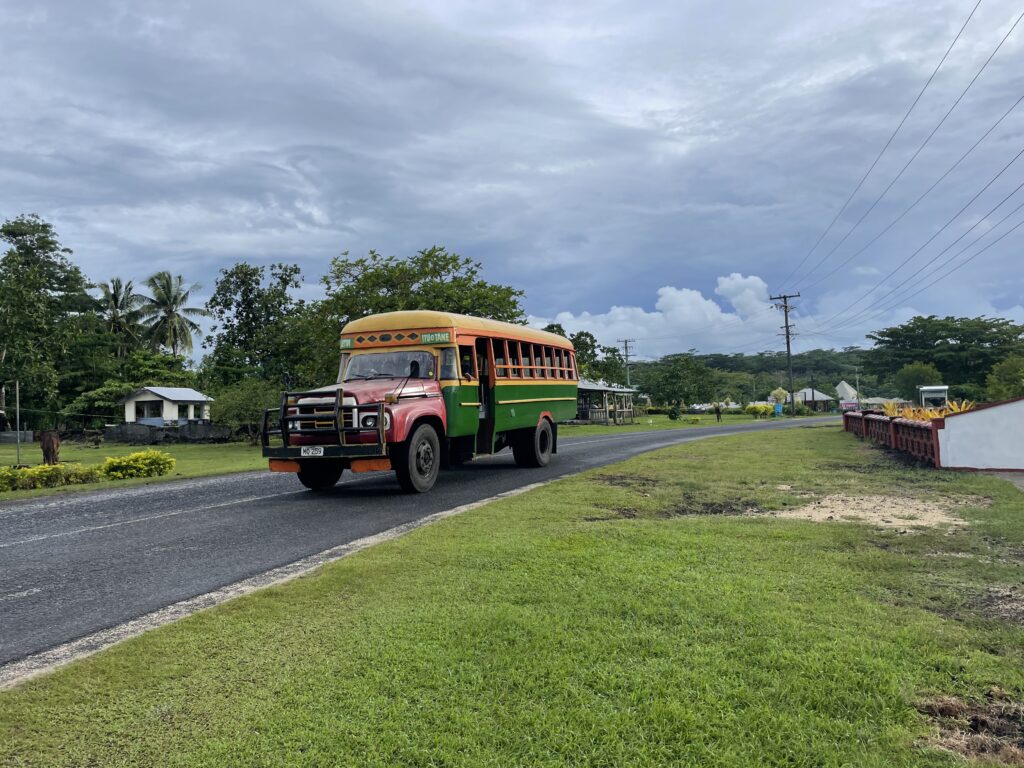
{"type": "Point", "coordinates": [601, 620]}
{"type": "Point", "coordinates": [198, 460]}
{"type": "Point", "coordinates": [650, 423]}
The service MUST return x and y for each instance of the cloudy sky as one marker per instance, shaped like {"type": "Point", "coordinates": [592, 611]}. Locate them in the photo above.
{"type": "Point", "coordinates": [650, 170]}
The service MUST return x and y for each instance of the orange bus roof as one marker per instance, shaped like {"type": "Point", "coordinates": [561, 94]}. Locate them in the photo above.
{"type": "Point", "coordinates": [463, 324]}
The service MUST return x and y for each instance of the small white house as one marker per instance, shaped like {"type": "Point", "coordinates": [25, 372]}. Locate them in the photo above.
{"type": "Point", "coordinates": [160, 406]}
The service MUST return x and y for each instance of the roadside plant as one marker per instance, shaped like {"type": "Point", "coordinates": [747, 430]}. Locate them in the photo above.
{"type": "Point", "coordinates": [150, 463]}
{"type": "Point", "coordinates": [47, 476]}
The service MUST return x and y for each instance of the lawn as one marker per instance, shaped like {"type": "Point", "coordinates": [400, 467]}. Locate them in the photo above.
{"type": "Point", "coordinates": [634, 615]}
{"type": "Point", "coordinates": [649, 423]}
{"type": "Point", "coordinates": [196, 460]}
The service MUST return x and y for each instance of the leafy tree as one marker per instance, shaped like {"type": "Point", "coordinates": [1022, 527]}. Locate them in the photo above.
{"type": "Point", "coordinates": [587, 353]}
{"type": "Point", "coordinates": [555, 328]}
{"type": "Point", "coordinates": [779, 395]}
{"type": "Point", "coordinates": [140, 369]}
{"type": "Point", "coordinates": [610, 366]}
{"type": "Point", "coordinates": [240, 406]}
{"type": "Point", "coordinates": [121, 307]}
{"type": "Point", "coordinates": [433, 278]}
{"type": "Point", "coordinates": [733, 386]}
{"type": "Point", "coordinates": [255, 320]}
{"type": "Point", "coordinates": [676, 380]}
{"type": "Point", "coordinates": [963, 349]}
{"type": "Point", "coordinates": [168, 319]}
{"type": "Point", "coordinates": [913, 375]}
{"type": "Point", "coordinates": [1006, 381]}
{"type": "Point", "coordinates": [43, 295]}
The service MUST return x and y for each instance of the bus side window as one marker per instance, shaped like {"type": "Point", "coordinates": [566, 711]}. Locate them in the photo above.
{"type": "Point", "coordinates": [466, 362]}
{"type": "Point", "coordinates": [549, 363]}
{"type": "Point", "coordinates": [513, 360]}
{"type": "Point", "coordinates": [527, 360]}
{"type": "Point", "coordinates": [572, 365]}
{"type": "Point", "coordinates": [448, 367]}
{"type": "Point", "coordinates": [500, 367]}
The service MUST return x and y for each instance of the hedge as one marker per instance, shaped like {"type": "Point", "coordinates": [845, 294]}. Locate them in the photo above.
{"type": "Point", "coordinates": [140, 464]}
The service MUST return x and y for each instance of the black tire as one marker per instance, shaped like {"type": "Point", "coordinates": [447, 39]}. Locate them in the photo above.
{"type": "Point", "coordinates": [532, 447]}
{"type": "Point", "coordinates": [320, 475]}
{"type": "Point", "coordinates": [418, 460]}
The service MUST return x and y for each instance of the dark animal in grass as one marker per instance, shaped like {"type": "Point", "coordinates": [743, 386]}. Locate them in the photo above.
{"type": "Point", "coordinates": [49, 441]}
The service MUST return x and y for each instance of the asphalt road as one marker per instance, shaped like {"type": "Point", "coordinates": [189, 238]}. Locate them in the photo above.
{"type": "Point", "coordinates": [76, 564]}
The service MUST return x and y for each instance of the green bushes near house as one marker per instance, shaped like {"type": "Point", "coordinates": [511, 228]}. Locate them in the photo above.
{"type": "Point", "coordinates": [150, 463]}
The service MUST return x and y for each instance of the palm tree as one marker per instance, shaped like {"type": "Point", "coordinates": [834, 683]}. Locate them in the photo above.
{"type": "Point", "coordinates": [165, 314]}
{"type": "Point", "coordinates": [122, 313]}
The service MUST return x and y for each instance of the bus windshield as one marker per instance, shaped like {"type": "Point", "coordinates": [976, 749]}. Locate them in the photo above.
{"type": "Point", "coordinates": [390, 365]}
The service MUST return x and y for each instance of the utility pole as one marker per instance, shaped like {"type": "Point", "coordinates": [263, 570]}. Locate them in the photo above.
{"type": "Point", "coordinates": [17, 424]}
{"type": "Point", "coordinates": [625, 354]}
{"type": "Point", "coordinates": [788, 328]}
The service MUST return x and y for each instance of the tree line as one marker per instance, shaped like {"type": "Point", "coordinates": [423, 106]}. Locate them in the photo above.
{"type": "Point", "coordinates": [77, 347]}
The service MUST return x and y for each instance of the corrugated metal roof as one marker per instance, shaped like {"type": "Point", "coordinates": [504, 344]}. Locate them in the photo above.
{"type": "Point", "coordinates": [599, 386]}
{"type": "Point", "coordinates": [177, 394]}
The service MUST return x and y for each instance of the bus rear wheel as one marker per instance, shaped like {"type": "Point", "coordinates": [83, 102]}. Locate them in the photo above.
{"type": "Point", "coordinates": [418, 459]}
{"type": "Point", "coordinates": [321, 475]}
{"type": "Point", "coordinates": [532, 447]}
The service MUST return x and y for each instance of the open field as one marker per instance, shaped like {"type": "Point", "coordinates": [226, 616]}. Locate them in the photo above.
{"type": "Point", "coordinates": [198, 460]}
{"type": "Point", "coordinates": [658, 421]}
{"type": "Point", "coordinates": [653, 612]}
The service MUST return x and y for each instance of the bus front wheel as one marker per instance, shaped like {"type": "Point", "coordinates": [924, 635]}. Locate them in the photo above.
{"type": "Point", "coordinates": [532, 447]}
{"type": "Point", "coordinates": [320, 475]}
{"type": "Point", "coordinates": [418, 460]}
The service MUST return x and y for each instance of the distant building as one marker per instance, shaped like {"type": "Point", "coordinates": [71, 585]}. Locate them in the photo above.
{"type": "Point", "coordinates": [598, 402]}
{"type": "Point", "coordinates": [815, 400]}
{"type": "Point", "coordinates": [845, 392]}
{"type": "Point", "coordinates": [161, 406]}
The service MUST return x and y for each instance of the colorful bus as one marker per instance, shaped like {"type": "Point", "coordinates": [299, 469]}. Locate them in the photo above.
{"type": "Point", "coordinates": [421, 390]}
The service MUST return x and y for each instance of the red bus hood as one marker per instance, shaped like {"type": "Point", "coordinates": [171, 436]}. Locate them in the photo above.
{"type": "Point", "coordinates": [373, 390]}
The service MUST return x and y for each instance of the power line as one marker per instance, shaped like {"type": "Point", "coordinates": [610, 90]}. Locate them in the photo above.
{"type": "Point", "coordinates": [885, 147]}
{"type": "Point", "coordinates": [866, 313]}
{"type": "Point", "coordinates": [918, 151]}
{"type": "Point", "coordinates": [921, 197]}
{"type": "Point", "coordinates": [932, 238]}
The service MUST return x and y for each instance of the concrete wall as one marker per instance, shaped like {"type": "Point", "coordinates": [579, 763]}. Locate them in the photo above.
{"type": "Point", "coordinates": [140, 434]}
{"type": "Point", "coordinates": [989, 438]}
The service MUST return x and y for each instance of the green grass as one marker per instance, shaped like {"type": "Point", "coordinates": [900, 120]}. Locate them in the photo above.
{"type": "Point", "coordinates": [193, 460]}
{"type": "Point", "coordinates": [596, 621]}
{"type": "Point", "coordinates": [651, 423]}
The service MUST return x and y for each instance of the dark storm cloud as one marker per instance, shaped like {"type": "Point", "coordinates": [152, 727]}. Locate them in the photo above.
{"type": "Point", "coordinates": [592, 154]}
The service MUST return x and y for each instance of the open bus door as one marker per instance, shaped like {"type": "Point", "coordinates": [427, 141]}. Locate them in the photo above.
{"type": "Point", "coordinates": [485, 368]}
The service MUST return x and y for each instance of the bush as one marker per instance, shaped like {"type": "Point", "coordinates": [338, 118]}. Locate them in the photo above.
{"type": "Point", "coordinates": [673, 413]}
{"type": "Point", "coordinates": [149, 463]}
{"type": "Point", "coordinates": [45, 476]}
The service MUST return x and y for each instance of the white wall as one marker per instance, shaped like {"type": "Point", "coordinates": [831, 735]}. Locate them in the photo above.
{"type": "Point", "coordinates": [989, 438]}
{"type": "Point", "coordinates": [169, 411]}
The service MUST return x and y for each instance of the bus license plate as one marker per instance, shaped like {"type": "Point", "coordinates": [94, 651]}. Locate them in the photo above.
{"type": "Point", "coordinates": [312, 451]}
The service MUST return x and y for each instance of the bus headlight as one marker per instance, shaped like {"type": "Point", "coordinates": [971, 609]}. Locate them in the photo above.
{"type": "Point", "coordinates": [369, 421]}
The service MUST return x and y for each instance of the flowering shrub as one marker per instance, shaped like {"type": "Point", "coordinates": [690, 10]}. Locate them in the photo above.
{"type": "Point", "coordinates": [760, 411]}
{"type": "Point", "coordinates": [149, 463]}
{"type": "Point", "coordinates": [45, 476]}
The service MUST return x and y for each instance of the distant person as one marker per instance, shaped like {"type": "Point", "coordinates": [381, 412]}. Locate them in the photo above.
{"type": "Point", "coordinates": [718, 412]}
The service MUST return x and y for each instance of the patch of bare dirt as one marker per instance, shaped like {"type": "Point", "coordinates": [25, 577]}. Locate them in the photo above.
{"type": "Point", "coordinates": [1004, 603]}
{"type": "Point", "coordinates": [884, 511]}
{"type": "Point", "coordinates": [618, 513]}
{"type": "Point", "coordinates": [991, 730]}
{"type": "Point", "coordinates": [639, 483]}
{"type": "Point", "coordinates": [691, 504]}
